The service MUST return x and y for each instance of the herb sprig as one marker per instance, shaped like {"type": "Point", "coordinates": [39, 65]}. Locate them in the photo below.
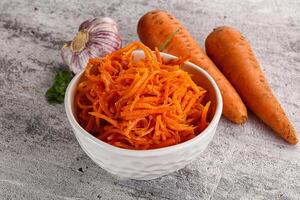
{"type": "Point", "coordinates": [56, 93]}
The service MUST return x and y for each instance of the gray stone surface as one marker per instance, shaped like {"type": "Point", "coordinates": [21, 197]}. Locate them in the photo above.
{"type": "Point", "coordinates": [39, 155]}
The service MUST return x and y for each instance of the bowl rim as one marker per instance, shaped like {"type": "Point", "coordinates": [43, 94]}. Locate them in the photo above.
{"type": "Point", "coordinates": [150, 152]}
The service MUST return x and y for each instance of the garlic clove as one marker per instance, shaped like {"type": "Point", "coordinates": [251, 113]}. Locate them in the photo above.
{"type": "Point", "coordinates": [76, 65]}
{"type": "Point", "coordinates": [83, 59]}
{"type": "Point", "coordinates": [98, 50]}
{"type": "Point", "coordinates": [104, 23]}
{"type": "Point", "coordinates": [103, 27]}
{"type": "Point", "coordinates": [98, 24]}
{"type": "Point", "coordinates": [109, 38]}
{"type": "Point", "coordinates": [66, 53]}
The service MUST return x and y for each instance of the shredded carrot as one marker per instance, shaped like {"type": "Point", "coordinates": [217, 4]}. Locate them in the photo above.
{"type": "Point", "coordinates": [203, 123]}
{"type": "Point", "coordinates": [145, 104]}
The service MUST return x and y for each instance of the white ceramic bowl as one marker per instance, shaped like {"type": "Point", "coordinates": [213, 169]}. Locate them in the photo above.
{"type": "Point", "coordinates": [147, 164]}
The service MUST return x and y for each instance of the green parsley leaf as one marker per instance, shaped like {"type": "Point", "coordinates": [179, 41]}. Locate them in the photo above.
{"type": "Point", "coordinates": [56, 93]}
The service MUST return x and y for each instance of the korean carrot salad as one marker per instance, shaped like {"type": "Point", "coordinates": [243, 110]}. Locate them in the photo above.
{"type": "Point", "coordinates": [140, 104]}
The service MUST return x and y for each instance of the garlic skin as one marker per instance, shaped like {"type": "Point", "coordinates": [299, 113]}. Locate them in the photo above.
{"type": "Point", "coordinates": [95, 38]}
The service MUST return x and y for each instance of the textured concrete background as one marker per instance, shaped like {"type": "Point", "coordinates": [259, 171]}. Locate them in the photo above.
{"type": "Point", "coordinates": [39, 155]}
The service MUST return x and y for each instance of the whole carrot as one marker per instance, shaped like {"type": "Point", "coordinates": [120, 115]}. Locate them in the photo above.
{"type": "Point", "coordinates": [156, 27]}
{"type": "Point", "coordinates": [233, 55]}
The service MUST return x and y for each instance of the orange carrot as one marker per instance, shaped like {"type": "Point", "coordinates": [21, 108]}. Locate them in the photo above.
{"type": "Point", "coordinates": [157, 27]}
{"type": "Point", "coordinates": [233, 55]}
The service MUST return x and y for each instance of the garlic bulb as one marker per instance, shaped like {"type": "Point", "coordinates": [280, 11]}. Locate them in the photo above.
{"type": "Point", "coordinates": [95, 38]}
